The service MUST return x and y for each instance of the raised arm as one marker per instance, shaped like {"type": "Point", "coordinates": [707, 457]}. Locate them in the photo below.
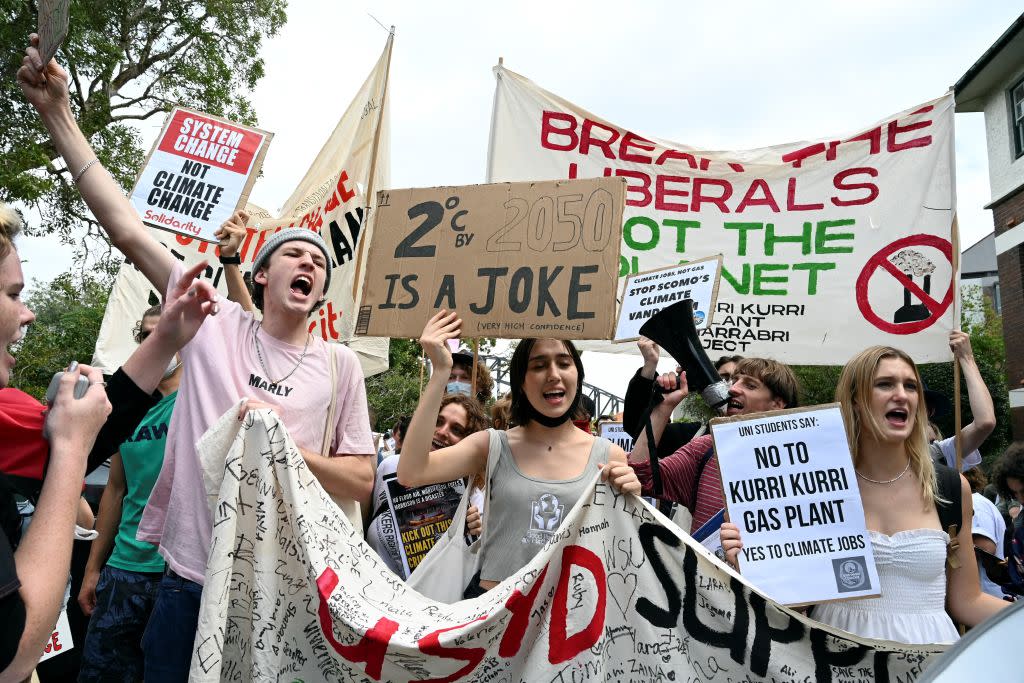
{"type": "Point", "coordinates": [231, 234]}
{"type": "Point", "coordinates": [661, 414]}
{"type": "Point", "coordinates": [418, 464]}
{"type": "Point", "coordinates": [46, 88]}
{"type": "Point", "coordinates": [974, 434]}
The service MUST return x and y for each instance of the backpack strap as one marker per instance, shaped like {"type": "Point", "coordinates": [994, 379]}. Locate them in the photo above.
{"type": "Point", "coordinates": [700, 471]}
{"type": "Point", "coordinates": [951, 516]}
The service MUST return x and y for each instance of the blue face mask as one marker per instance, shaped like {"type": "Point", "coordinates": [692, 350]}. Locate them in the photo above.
{"type": "Point", "coordinates": [459, 388]}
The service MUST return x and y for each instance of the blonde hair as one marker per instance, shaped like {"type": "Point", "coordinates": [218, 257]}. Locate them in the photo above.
{"type": "Point", "coordinates": [10, 226]}
{"type": "Point", "coordinates": [854, 389]}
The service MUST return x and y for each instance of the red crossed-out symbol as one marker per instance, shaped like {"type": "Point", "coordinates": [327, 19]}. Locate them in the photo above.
{"type": "Point", "coordinates": [881, 260]}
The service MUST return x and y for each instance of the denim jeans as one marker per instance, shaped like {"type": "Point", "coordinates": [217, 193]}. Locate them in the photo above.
{"type": "Point", "coordinates": [167, 643]}
{"type": "Point", "coordinates": [113, 643]}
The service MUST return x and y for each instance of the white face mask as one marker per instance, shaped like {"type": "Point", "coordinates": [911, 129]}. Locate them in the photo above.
{"type": "Point", "coordinates": [459, 388]}
{"type": "Point", "coordinates": [172, 367]}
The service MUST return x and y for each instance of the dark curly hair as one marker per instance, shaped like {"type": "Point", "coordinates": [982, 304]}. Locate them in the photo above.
{"type": "Point", "coordinates": [476, 419]}
{"type": "Point", "coordinates": [1010, 466]}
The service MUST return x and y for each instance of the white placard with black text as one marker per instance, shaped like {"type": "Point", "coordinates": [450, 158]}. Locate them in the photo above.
{"type": "Point", "coordinates": [791, 488]}
{"type": "Point", "coordinates": [644, 294]}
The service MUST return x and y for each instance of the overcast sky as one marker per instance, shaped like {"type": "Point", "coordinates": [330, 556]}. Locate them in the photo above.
{"type": "Point", "coordinates": [722, 75]}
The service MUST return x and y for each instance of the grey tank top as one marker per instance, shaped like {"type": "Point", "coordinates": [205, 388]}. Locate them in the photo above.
{"type": "Point", "coordinates": [524, 512]}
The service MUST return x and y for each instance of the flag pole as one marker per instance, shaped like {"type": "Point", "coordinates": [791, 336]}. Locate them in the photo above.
{"type": "Point", "coordinates": [494, 116]}
{"type": "Point", "coordinates": [957, 417]}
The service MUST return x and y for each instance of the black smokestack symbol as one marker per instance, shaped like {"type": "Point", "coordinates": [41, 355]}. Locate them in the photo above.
{"type": "Point", "coordinates": [913, 264]}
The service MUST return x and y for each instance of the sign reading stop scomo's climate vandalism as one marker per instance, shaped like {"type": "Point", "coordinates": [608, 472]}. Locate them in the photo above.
{"type": "Point", "coordinates": [200, 170]}
{"type": "Point", "coordinates": [513, 259]}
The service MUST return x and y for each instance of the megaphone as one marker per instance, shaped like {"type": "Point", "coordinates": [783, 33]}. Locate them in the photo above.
{"type": "Point", "coordinates": [673, 329]}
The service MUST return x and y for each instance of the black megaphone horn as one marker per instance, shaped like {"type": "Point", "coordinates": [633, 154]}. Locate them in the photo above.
{"type": "Point", "coordinates": [673, 329]}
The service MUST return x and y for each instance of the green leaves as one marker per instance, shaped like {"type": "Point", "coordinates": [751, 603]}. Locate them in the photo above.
{"type": "Point", "coordinates": [69, 310]}
{"type": "Point", "coordinates": [129, 61]}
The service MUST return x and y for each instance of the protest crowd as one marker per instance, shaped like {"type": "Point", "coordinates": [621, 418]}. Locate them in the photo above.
{"type": "Point", "coordinates": [515, 463]}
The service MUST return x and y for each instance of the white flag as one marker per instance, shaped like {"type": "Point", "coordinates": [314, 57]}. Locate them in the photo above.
{"type": "Point", "coordinates": [830, 245]}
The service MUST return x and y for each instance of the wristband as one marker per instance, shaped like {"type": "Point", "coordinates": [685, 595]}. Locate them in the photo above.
{"type": "Point", "coordinates": [231, 260]}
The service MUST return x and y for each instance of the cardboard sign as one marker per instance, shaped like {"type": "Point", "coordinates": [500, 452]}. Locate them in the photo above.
{"type": "Point", "coordinates": [644, 294]}
{"type": "Point", "coordinates": [514, 259]}
{"type": "Point", "coordinates": [200, 170]}
{"type": "Point", "coordinates": [791, 488]}
{"type": "Point", "coordinates": [422, 514]}
{"type": "Point", "coordinates": [614, 432]}
{"type": "Point", "coordinates": [53, 27]}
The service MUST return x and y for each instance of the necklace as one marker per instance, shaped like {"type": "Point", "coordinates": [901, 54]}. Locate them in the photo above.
{"type": "Point", "coordinates": [887, 481]}
{"type": "Point", "coordinates": [263, 365]}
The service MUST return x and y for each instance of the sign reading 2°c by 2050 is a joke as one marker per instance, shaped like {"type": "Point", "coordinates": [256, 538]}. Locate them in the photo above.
{"type": "Point", "coordinates": [791, 488]}
{"type": "Point", "coordinates": [513, 259]}
{"type": "Point", "coordinates": [200, 170]}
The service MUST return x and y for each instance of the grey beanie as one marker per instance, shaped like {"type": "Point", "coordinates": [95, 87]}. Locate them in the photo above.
{"type": "Point", "coordinates": [290, 235]}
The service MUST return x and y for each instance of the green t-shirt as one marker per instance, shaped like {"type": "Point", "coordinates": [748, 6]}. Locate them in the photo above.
{"type": "Point", "coordinates": [142, 456]}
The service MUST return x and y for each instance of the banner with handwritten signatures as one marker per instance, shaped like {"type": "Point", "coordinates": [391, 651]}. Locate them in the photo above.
{"type": "Point", "coordinates": [293, 593]}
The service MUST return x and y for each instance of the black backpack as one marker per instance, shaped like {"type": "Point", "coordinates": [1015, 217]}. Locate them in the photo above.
{"type": "Point", "coordinates": [952, 512]}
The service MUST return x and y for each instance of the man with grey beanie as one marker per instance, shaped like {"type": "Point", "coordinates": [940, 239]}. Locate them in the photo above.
{"type": "Point", "coordinates": [273, 363]}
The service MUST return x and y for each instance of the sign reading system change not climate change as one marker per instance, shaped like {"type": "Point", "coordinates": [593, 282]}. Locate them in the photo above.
{"type": "Point", "coordinates": [514, 259]}
{"type": "Point", "coordinates": [200, 170]}
{"type": "Point", "coordinates": [791, 488]}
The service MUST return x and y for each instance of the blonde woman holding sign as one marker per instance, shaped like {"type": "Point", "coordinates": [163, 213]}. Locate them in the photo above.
{"type": "Point", "coordinates": [543, 465]}
{"type": "Point", "coordinates": [924, 563]}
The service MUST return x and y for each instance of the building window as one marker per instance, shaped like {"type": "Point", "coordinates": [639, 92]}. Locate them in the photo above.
{"type": "Point", "coordinates": [1017, 118]}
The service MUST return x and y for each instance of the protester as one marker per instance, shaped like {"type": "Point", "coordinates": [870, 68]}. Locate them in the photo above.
{"type": "Point", "coordinates": [33, 578]}
{"type": "Point", "coordinates": [690, 475]}
{"type": "Point", "coordinates": [123, 574]}
{"type": "Point", "coordinates": [983, 411]}
{"type": "Point", "coordinates": [988, 530]}
{"type": "Point", "coordinates": [459, 416]}
{"type": "Point", "coordinates": [272, 364]}
{"type": "Point", "coordinates": [880, 392]}
{"type": "Point", "coordinates": [501, 413]}
{"type": "Point", "coordinates": [1010, 482]}
{"type": "Point", "coordinates": [638, 396]}
{"type": "Point", "coordinates": [544, 464]}
{"type": "Point", "coordinates": [460, 379]}
{"type": "Point", "coordinates": [726, 366]}
{"type": "Point", "coordinates": [397, 436]}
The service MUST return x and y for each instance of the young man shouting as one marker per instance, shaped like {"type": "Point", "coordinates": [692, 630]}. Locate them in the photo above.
{"type": "Point", "coordinates": [690, 475]}
{"type": "Point", "coordinates": [272, 363]}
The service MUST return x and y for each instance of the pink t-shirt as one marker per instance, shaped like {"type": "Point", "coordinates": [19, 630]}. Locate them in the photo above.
{"type": "Point", "coordinates": [220, 367]}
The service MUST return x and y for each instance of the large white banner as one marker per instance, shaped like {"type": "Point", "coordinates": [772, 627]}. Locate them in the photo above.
{"type": "Point", "coordinates": [830, 245]}
{"type": "Point", "coordinates": [618, 594]}
{"type": "Point", "coordinates": [330, 199]}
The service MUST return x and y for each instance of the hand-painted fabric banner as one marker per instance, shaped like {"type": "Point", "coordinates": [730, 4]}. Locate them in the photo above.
{"type": "Point", "coordinates": [618, 594]}
{"type": "Point", "coordinates": [830, 245]}
{"type": "Point", "coordinates": [329, 199]}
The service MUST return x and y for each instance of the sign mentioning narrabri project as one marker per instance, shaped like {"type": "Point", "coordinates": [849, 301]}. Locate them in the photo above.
{"type": "Point", "coordinates": [829, 245]}
{"type": "Point", "coordinates": [644, 294]}
{"type": "Point", "coordinates": [513, 259]}
{"type": "Point", "coordinates": [791, 488]}
{"type": "Point", "coordinates": [200, 170]}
